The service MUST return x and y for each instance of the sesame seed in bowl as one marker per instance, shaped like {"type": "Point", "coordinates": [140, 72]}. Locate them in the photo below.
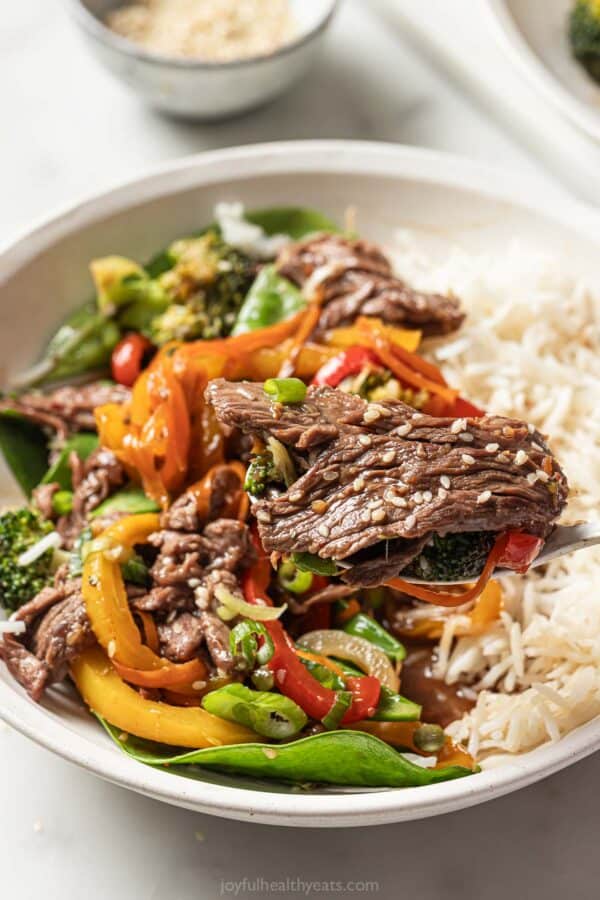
{"type": "Point", "coordinates": [205, 59]}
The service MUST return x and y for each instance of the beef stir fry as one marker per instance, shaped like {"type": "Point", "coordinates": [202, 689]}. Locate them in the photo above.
{"type": "Point", "coordinates": [214, 540]}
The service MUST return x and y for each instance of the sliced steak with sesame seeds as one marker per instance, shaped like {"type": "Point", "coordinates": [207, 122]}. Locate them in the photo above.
{"type": "Point", "coordinates": [353, 277]}
{"type": "Point", "coordinates": [375, 485]}
{"type": "Point", "coordinates": [69, 408]}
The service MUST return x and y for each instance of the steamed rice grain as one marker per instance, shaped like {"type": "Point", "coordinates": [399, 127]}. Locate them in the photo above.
{"type": "Point", "coordinates": [530, 348]}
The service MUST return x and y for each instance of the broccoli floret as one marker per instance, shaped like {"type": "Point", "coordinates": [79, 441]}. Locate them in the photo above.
{"type": "Point", "coordinates": [584, 34]}
{"type": "Point", "coordinates": [452, 556]}
{"type": "Point", "coordinates": [19, 530]}
{"type": "Point", "coordinates": [207, 286]}
{"type": "Point", "coordinates": [261, 472]}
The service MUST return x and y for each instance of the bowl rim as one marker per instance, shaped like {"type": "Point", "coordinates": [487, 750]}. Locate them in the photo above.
{"type": "Point", "coordinates": [325, 809]}
{"type": "Point", "coordinates": [100, 32]}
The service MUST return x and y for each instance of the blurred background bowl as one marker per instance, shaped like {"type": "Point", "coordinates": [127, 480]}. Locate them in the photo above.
{"type": "Point", "coordinates": [205, 90]}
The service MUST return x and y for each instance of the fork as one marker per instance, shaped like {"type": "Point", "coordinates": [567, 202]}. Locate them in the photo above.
{"type": "Point", "coordinates": [563, 540]}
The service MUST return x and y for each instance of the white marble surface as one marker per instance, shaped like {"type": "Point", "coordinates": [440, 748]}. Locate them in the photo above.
{"type": "Point", "coordinates": [67, 128]}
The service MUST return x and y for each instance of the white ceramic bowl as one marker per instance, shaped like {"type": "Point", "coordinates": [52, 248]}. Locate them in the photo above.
{"type": "Point", "coordinates": [448, 201]}
{"type": "Point", "coordinates": [534, 35]}
{"type": "Point", "coordinates": [200, 90]}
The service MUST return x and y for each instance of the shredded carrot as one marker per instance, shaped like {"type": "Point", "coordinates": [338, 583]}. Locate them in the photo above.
{"type": "Point", "coordinates": [350, 610]}
{"type": "Point", "coordinates": [305, 329]}
{"type": "Point", "coordinates": [322, 660]}
{"type": "Point", "coordinates": [378, 342]}
{"type": "Point", "coordinates": [414, 360]}
{"type": "Point", "coordinates": [440, 598]}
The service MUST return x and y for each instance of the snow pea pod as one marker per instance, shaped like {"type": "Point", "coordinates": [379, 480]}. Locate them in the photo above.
{"type": "Point", "coordinates": [268, 714]}
{"type": "Point", "coordinates": [365, 627]}
{"type": "Point", "coordinates": [350, 758]}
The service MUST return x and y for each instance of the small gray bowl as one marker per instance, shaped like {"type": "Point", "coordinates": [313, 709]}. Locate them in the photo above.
{"type": "Point", "coordinates": [204, 90]}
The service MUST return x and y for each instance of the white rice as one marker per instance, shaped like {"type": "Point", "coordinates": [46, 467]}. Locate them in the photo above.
{"type": "Point", "coordinates": [530, 348]}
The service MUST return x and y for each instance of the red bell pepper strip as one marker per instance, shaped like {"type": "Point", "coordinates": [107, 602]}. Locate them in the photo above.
{"type": "Point", "coordinates": [348, 362]}
{"type": "Point", "coordinates": [127, 358]}
{"type": "Point", "coordinates": [520, 551]}
{"type": "Point", "coordinates": [463, 408]}
{"type": "Point", "coordinates": [292, 677]}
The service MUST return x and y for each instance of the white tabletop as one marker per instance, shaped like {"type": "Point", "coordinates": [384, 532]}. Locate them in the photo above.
{"type": "Point", "coordinates": [68, 128]}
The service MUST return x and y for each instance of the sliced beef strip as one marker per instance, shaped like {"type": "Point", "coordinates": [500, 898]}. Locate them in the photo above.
{"type": "Point", "coordinates": [67, 409]}
{"type": "Point", "coordinates": [93, 481]}
{"type": "Point", "coordinates": [42, 497]}
{"type": "Point", "coordinates": [184, 514]}
{"type": "Point", "coordinates": [190, 566]}
{"type": "Point", "coordinates": [355, 278]}
{"type": "Point", "coordinates": [398, 475]}
{"type": "Point", "coordinates": [181, 638]}
{"type": "Point", "coordinates": [58, 630]}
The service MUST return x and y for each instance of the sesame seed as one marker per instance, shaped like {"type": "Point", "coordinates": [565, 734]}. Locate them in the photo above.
{"type": "Point", "coordinates": [543, 476]}
{"type": "Point", "coordinates": [270, 753]}
{"type": "Point", "coordinates": [403, 430]}
{"type": "Point", "coordinates": [323, 531]}
{"type": "Point", "coordinates": [417, 497]}
{"type": "Point", "coordinates": [442, 494]}
{"type": "Point", "coordinates": [358, 484]}
{"type": "Point", "coordinates": [112, 648]}
{"type": "Point", "coordinates": [458, 425]}
{"type": "Point", "coordinates": [378, 515]}
{"type": "Point", "coordinates": [521, 458]}
{"type": "Point", "coordinates": [296, 497]}
{"type": "Point", "coordinates": [484, 497]}
{"type": "Point", "coordinates": [389, 456]}
{"type": "Point", "coordinates": [318, 506]}
{"type": "Point", "coordinates": [417, 415]}
{"type": "Point", "coordinates": [330, 475]}
{"type": "Point", "coordinates": [531, 428]}
{"type": "Point", "coordinates": [410, 521]}
{"type": "Point", "coordinates": [427, 496]}
{"type": "Point", "coordinates": [198, 685]}
{"type": "Point", "coordinates": [263, 516]}
{"type": "Point", "coordinates": [382, 410]}
{"type": "Point", "coordinates": [445, 482]}
{"type": "Point", "coordinates": [365, 440]}
{"type": "Point", "coordinates": [371, 414]}
{"type": "Point", "coordinates": [400, 502]}
{"type": "Point", "coordinates": [123, 737]}
{"type": "Point", "coordinates": [532, 477]}
{"type": "Point", "coordinates": [365, 516]}
{"type": "Point", "coordinates": [537, 447]}
{"type": "Point", "coordinates": [194, 582]}
{"type": "Point", "coordinates": [508, 431]}
{"type": "Point", "coordinates": [468, 459]}
{"type": "Point", "coordinates": [492, 448]}
{"type": "Point", "coordinates": [466, 436]}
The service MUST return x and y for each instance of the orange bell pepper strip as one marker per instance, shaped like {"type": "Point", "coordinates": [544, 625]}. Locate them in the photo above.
{"type": "Point", "coordinates": [111, 618]}
{"type": "Point", "coordinates": [353, 335]}
{"type": "Point", "coordinates": [487, 609]}
{"type": "Point", "coordinates": [107, 695]}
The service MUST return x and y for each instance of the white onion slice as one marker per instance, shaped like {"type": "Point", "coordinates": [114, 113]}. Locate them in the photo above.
{"type": "Point", "coordinates": [368, 657]}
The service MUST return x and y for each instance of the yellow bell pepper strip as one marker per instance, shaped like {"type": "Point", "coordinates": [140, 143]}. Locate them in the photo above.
{"type": "Point", "coordinates": [108, 696]}
{"type": "Point", "coordinates": [352, 336]}
{"type": "Point", "coordinates": [111, 618]}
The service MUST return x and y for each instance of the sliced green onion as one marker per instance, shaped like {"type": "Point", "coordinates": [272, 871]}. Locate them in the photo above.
{"type": "Point", "coordinates": [343, 699]}
{"type": "Point", "coordinates": [325, 676]}
{"type": "Point", "coordinates": [429, 738]}
{"type": "Point", "coordinates": [62, 503]}
{"type": "Point", "coordinates": [310, 562]}
{"type": "Point", "coordinates": [232, 606]}
{"type": "Point", "coordinates": [293, 579]}
{"type": "Point", "coordinates": [269, 714]}
{"type": "Point", "coordinates": [369, 629]}
{"type": "Point", "coordinates": [263, 679]}
{"type": "Point", "coordinates": [285, 390]}
{"type": "Point", "coordinates": [244, 643]}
